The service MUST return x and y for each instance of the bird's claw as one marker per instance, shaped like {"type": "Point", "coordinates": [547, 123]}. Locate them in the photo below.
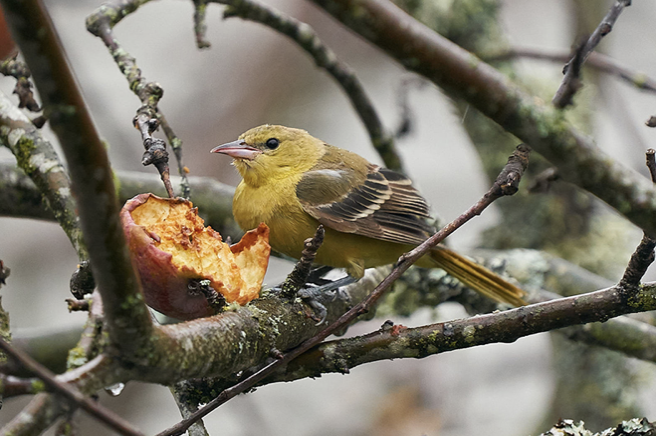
{"type": "Point", "coordinates": [310, 296]}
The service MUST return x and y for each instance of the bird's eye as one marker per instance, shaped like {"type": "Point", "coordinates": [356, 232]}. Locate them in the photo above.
{"type": "Point", "coordinates": [272, 143]}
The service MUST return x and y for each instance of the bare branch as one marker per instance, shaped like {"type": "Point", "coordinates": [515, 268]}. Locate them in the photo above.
{"type": "Point", "coordinates": [324, 57]}
{"type": "Point", "coordinates": [18, 70]}
{"type": "Point", "coordinates": [506, 326]}
{"type": "Point", "coordinates": [213, 197]}
{"type": "Point", "coordinates": [571, 83]}
{"type": "Point", "coordinates": [200, 27]}
{"type": "Point", "coordinates": [463, 75]}
{"type": "Point", "coordinates": [643, 256]}
{"type": "Point", "coordinates": [126, 313]}
{"type": "Point", "coordinates": [298, 277]}
{"type": "Point", "coordinates": [186, 410]}
{"type": "Point", "coordinates": [148, 117]}
{"type": "Point", "coordinates": [596, 60]}
{"type": "Point", "coordinates": [99, 412]}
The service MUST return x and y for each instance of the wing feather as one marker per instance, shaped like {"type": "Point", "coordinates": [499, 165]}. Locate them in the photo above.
{"type": "Point", "coordinates": [383, 205]}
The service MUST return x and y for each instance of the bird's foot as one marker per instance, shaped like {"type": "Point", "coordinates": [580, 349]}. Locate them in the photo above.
{"type": "Point", "coordinates": [311, 295]}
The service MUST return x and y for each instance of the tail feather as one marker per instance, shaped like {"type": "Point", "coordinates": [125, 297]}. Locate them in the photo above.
{"type": "Point", "coordinates": [477, 277]}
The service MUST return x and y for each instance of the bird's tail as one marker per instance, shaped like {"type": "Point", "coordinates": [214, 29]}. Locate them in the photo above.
{"type": "Point", "coordinates": [477, 277]}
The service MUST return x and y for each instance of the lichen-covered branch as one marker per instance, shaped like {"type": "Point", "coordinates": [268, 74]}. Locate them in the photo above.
{"type": "Point", "coordinates": [214, 198]}
{"type": "Point", "coordinates": [507, 326]}
{"type": "Point", "coordinates": [23, 88]}
{"type": "Point", "coordinates": [200, 26]}
{"type": "Point", "coordinates": [38, 159]}
{"type": "Point", "coordinates": [148, 118]}
{"type": "Point", "coordinates": [643, 256]}
{"type": "Point", "coordinates": [596, 60]}
{"type": "Point", "coordinates": [187, 408]}
{"type": "Point", "coordinates": [35, 418]}
{"type": "Point", "coordinates": [463, 75]}
{"type": "Point", "coordinates": [128, 319]}
{"type": "Point", "coordinates": [19, 196]}
{"type": "Point", "coordinates": [632, 427]}
{"type": "Point", "coordinates": [70, 393]}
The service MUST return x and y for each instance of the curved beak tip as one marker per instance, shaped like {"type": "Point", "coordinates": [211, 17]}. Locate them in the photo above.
{"type": "Point", "coordinates": [237, 150]}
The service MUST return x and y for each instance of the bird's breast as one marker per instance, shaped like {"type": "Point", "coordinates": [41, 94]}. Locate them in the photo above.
{"type": "Point", "coordinates": [279, 208]}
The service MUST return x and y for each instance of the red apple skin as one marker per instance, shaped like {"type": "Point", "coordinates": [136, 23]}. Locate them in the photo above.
{"type": "Point", "coordinates": [165, 288]}
{"type": "Point", "coordinates": [165, 284]}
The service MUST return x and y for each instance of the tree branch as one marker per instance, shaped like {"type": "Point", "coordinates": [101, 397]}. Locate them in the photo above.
{"type": "Point", "coordinates": [125, 311]}
{"type": "Point", "coordinates": [508, 326]}
{"type": "Point", "coordinates": [572, 69]}
{"type": "Point", "coordinates": [305, 37]}
{"type": "Point", "coordinates": [38, 159]}
{"type": "Point", "coordinates": [463, 75]}
{"type": "Point", "coordinates": [19, 197]}
{"type": "Point", "coordinates": [148, 118]}
{"type": "Point", "coordinates": [73, 395]}
{"type": "Point", "coordinates": [595, 60]}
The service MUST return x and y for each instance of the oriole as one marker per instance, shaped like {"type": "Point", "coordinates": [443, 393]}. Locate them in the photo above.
{"type": "Point", "coordinates": [293, 182]}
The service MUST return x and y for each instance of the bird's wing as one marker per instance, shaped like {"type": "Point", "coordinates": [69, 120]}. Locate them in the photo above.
{"type": "Point", "coordinates": [380, 204]}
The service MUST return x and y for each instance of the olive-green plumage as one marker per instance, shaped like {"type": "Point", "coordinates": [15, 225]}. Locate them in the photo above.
{"type": "Point", "coordinates": [293, 182]}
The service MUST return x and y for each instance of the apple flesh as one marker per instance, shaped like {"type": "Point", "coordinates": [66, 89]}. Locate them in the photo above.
{"type": "Point", "coordinates": [171, 248]}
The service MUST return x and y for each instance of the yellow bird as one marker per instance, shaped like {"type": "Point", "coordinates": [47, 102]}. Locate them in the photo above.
{"type": "Point", "coordinates": [293, 182]}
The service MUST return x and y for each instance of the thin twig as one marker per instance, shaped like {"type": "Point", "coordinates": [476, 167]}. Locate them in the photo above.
{"type": "Point", "coordinates": [571, 82]}
{"type": "Point", "coordinates": [643, 256]}
{"type": "Point", "coordinates": [94, 409]}
{"type": "Point", "coordinates": [595, 60]}
{"type": "Point", "coordinates": [147, 119]}
{"type": "Point", "coordinates": [406, 122]}
{"type": "Point", "coordinates": [87, 345]}
{"type": "Point", "coordinates": [4, 273]}
{"type": "Point", "coordinates": [11, 386]}
{"type": "Point", "coordinates": [187, 409]}
{"type": "Point", "coordinates": [19, 71]}
{"type": "Point", "coordinates": [77, 305]}
{"type": "Point", "coordinates": [298, 277]}
{"type": "Point", "coordinates": [650, 161]}
{"type": "Point", "coordinates": [176, 146]}
{"type": "Point", "coordinates": [303, 35]}
{"type": "Point", "coordinates": [200, 26]}
{"type": "Point", "coordinates": [512, 174]}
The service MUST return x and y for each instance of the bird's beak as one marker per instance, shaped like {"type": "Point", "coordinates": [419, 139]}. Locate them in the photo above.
{"type": "Point", "coordinates": [237, 150]}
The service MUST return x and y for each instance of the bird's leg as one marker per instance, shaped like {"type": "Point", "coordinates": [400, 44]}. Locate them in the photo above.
{"type": "Point", "coordinates": [316, 276]}
{"type": "Point", "coordinates": [312, 294]}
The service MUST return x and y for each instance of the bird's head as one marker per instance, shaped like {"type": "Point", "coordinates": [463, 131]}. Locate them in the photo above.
{"type": "Point", "coordinates": [266, 153]}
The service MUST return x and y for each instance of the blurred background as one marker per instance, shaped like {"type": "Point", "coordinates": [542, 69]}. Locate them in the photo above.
{"type": "Point", "coordinates": [251, 76]}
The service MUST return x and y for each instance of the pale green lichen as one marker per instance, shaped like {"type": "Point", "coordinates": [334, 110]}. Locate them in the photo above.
{"type": "Point", "coordinates": [37, 386]}
{"type": "Point", "coordinates": [468, 334]}
{"type": "Point", "coordinates": [132, 300]}
{"type": "Point", "coordinates": [76, 358]}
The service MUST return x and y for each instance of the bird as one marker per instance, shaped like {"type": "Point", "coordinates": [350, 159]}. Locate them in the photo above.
{"type": "Point", "coordinates": [294, 182]}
